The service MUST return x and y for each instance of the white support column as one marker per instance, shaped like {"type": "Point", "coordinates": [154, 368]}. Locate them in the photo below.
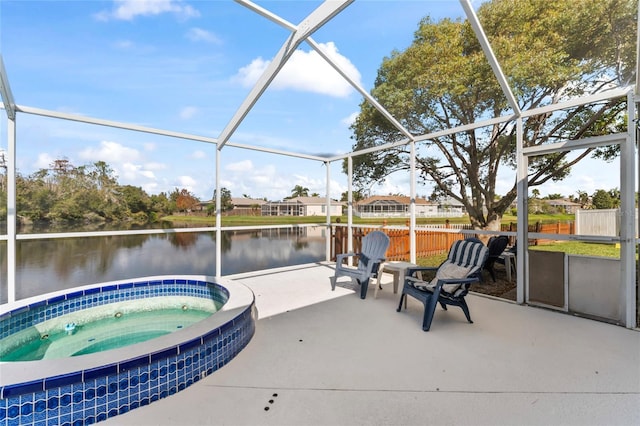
{"type": "Point", "coordinates": [412, 205]}
{"type": "Point", "coordinates": [218, 218]}
{"type": "Point", "coordinates": [11, 210]}
{"type": "Point", "coordinates": [328, 236]}
{"type": "Point", "coordinates": [10, 110]}
{"type": "Point", "coordinates": [350, 205]}
{"type": "Point", "coordinates": [523, 215]}
{"type": "Point", "coordinates": [627, 218]}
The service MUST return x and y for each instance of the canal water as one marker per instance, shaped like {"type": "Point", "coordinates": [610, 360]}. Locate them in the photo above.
{"type": "Point", "coordinates": [47, 265]}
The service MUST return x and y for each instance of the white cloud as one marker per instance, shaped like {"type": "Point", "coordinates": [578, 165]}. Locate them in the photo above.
{"type": "Point", "coordinates": [248, 75]}
{"type": "Point", "coordinates": [155, 166]}
{"type": "Point", "coordinates": [127, 10]}
{"type": "Point", "coordinates": [198, 154]}
{"type": "Point", "coordinates": [129, 171]}
{"type": "Point", "coordinates": [272, 181]}
{"type": "Point", "coordinates": [44, 161]}
{"type": "Point", "coordinates": [397, 183]}
{"type": "Point", "coordinates": [150, 188]}
{"type": "Point", "coordinates": [306, 72]}
{"type": "Point", "coordinates": [240, 166]}
{"type": "Point", "coordinates": [188, 112]}
{"type": "Point", "coordinates": [123, 44]}
{"type": "Point", "coordinates": [149, 146]}
{"type": "Point", "coordinates": [110, 152]}
{"type": "Point", "coordinates": [127, 163]}
{"type": "Point", "coordinates": [187, 182]}
{"type": "Point", "coordinates": [148, 174]}
{"type": "Point", "coordinates": [198, 34]}
{"type": "Point", "coordinates": [348, 121]}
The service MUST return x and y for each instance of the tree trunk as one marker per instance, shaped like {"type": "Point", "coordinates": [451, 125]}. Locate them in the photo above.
{"type": "Point", "coordinates": [494, 224]}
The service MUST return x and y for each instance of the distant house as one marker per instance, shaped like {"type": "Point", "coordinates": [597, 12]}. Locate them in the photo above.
{"type": "Point", "coordinates": [398, 206]}
{"type": "Point", "coordinates": [241, 206]}
{"type": "Point", "coordinates": [449, 207]}
{"type": "Point", "coordinates": [560, 205]}
{"type": "Point", "coordinates": [246, 206]}
{"type": "Point", "coordinates": [563, 205]}
{"type": "Point", "coordinates": [393, 206]}
{"type": "Point", "coordinates": [302, 206]}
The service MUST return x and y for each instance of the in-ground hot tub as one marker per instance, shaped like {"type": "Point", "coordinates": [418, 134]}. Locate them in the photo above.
{"type": "Point", "coordinates": [85, 389]}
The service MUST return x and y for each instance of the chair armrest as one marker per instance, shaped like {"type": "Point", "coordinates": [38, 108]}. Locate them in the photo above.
{"type": "Point", "coordinates": [461, 291]}
{"type": "Point", "coordinates": [410, 271]}
{"type": "Point", "coordinates": [377, 263]}
{"type": "Point", "coordinates": [379, 260]}
{"type": "Point", "coordinates": [471, 280]}
{"type": "Point", "coordinates": [417, 272]}
{"type": "Point", "coordinates": [340, 257]}
{"type": "Point", "coordinates": [418, 283]}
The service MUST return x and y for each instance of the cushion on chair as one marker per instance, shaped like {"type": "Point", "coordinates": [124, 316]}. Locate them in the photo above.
{"type": "Point", "coordinates": [448, 271]}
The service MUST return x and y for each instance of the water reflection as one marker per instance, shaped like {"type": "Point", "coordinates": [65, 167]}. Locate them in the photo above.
{"type": "Point", "coordinates": [52, 264]}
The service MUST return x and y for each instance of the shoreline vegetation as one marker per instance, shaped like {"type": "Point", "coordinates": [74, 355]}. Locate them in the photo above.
{"type": "Point", "coordinates": [194, 220]}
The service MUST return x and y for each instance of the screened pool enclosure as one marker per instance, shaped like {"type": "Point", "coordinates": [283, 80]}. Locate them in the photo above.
{"type": "Point", "coordinates": [321, 21]}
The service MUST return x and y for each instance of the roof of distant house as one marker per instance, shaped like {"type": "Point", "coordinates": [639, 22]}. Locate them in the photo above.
{"type": "Point", "coordinates": [308, 201]}
{"type": "Point", "coordinates": [562, 202]}
{"type": "Point", "coordinates": [396, 199]}
{"type": "Point", "coordinates": [244, 201]}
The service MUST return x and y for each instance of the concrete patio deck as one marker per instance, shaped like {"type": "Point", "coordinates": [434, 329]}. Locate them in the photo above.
{"type": "Point", "coordinates": [329, 358]}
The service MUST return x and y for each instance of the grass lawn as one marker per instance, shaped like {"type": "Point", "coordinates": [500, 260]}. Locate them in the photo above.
{"type": "Point", "coordinates": [290, 220]}
{"type": "Point", "coordinates": [581, 248]}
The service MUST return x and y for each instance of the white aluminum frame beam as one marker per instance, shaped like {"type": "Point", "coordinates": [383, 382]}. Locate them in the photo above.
{"type": "Point", "coordinates": [311, 42]}
{"type": "Point", "coordinates": [161, 132]}
{"type": "Point", "coordinates": [569, 145]}
{"type": "Point", "coordinates": [637, 87]}
{"type": "Point", "coordinates": [628, 297]}
{"type": "Point", "coordinates": [583, 100]}
{"type": "Point", "coordinates": [5, 91]}
{"type": "Point", "coordinates": [316, 19]}
{"type": "Point", "coordinates": [488, 53]}
{"type": "Point", "coordinates": [361, 90]}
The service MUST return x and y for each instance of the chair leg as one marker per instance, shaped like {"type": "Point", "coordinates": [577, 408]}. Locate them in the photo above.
{"type": "Point", "coordinates": [493, 274]}
{"type": "Point", "coordinates": [429, 309]}
{"type": "Point", "coordinates": [402, 297]}
{"type": "Point", "coordinates": [443, 306]}
{"type": "Point", "coordinates": [333, 282]}
{"type": "Point", "coordinates": [465, 309]}
{"type": "Point", "coordinates": [363, 288]}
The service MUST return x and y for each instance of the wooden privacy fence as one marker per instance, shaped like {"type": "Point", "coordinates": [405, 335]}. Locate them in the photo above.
{"type": "Point", "coordinates": [566, 228]}
{"type": "Point", "coordinates": [431, 242]}
{"type": "Point", "coordinates": [428, 242]}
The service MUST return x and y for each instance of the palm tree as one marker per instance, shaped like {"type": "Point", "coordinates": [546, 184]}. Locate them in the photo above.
{"type": "Point", "coordinates": [299, 191]}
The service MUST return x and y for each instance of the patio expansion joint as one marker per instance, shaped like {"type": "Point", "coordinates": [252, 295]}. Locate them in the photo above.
{"type": "Point", "coordinates": [422, 391]}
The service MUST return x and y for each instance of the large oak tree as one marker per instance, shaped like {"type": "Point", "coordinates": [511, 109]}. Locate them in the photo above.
{"type": "Point", "coordinates": [548, 50]}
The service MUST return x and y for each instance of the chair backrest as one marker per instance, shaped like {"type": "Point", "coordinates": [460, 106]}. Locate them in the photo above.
{"type": "Point", "coordinates": [497, 245]}
{"type": "Point", "coordinates": [374, 246]}
{"type": "Point", "coordinates": [474, 239]}
{"type": "Point", "coordinates": [468, 253]}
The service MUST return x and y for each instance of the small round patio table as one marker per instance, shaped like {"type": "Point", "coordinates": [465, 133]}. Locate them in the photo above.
{"type": "Point", "coordinates": [398, 270]}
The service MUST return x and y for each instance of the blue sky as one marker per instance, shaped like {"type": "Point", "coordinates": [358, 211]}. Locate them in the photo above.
{"type": "Point", "coordinates": [186, 66]}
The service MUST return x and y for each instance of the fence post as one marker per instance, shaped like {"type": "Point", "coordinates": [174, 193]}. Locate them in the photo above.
{"type": "Point", "coordinates": [338, 242]}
